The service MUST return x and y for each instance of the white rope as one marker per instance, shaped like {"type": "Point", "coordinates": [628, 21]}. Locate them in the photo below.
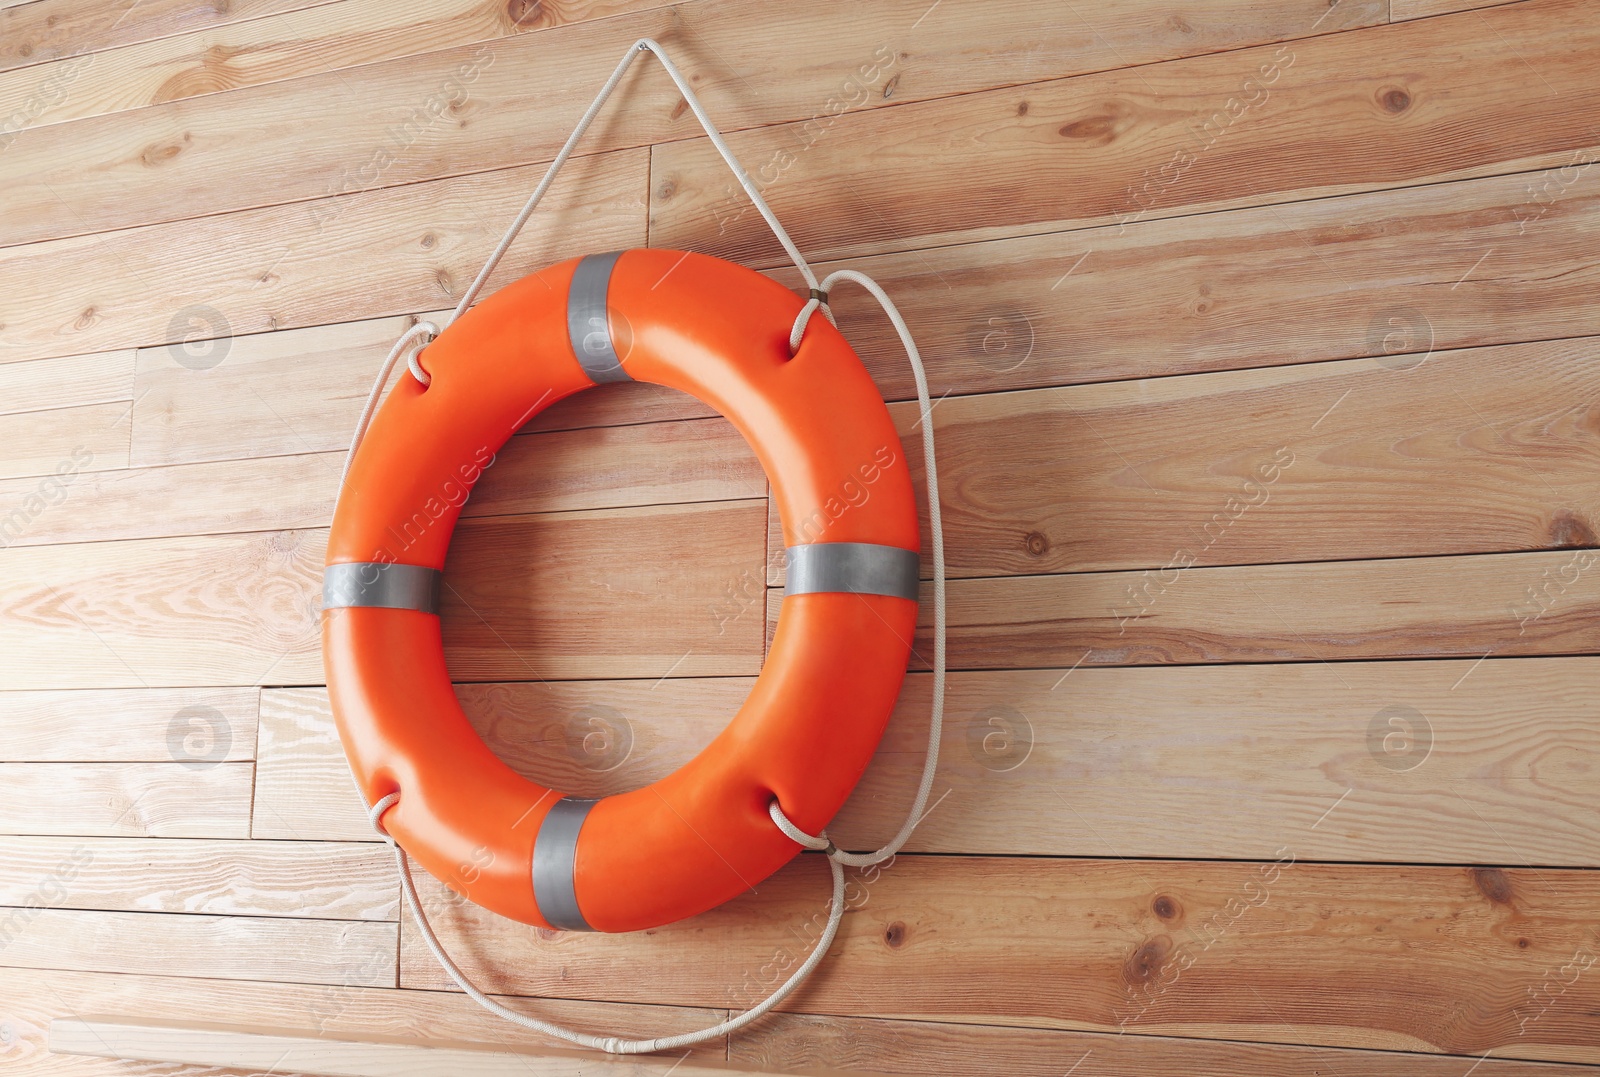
{"type": "Point", "coordinates": [930, 763]}
{"type": "Point", "coordinates": [644, 44]}
{"type": "Point", "coordinates": [609, 1044]}
{"type": "Point", "coordinates": [411, 343]}
{"type": "Point", "coordinates": [421, 329]}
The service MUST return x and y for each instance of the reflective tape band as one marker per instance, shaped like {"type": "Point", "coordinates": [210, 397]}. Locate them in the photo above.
{"type": "Point", "coordinates": [587, 324]}
{"type": "Point", "coordinates": [859, 568]}
{"type": "Point", "coordinates": [555, 860]}
{"type": "Point", "coordinates": [371, 583]}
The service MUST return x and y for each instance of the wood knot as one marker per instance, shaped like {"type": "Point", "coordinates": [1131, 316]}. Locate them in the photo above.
{"type": "Point", "coordinates": [680, 108]}
{"type": "Point", "coordinates": [87, 318]}
{"type": "Point", "coordinates": [1165, 907]}
{"type": "Point", "coordinates": [428, 240]}
{"type": "Point", "coordinates": [666, 190]}
{"type": "Point", "coordinates": [523, 13]}
{"type": "Point", "coordinates": [1395, 101]}
{"type": "Point", "coordinates": [1022, 108]}
{"type": "Point", "coordinates": [895, 935]}
{"type": "Point", "coordinates": [1567, 528]}
{"type": "Point", "coordinates": [1493, 884]}
{"type": "Point", "coordinates": [1096, 129]}
{"type": "Point", "coordinates": [160, 154]}
{"type": "Point", "coordinates": [1523, 944]}
{"type": "Point", "coordinates": [889, 87]}
{"type": "Point", "coordinates": [1146, 962]}
{"type": "Point", "coordinates": [1036, 544]}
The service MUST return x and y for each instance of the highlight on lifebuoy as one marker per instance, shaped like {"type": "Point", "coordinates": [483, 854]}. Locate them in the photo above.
{"type": "Point", "coordinates": [843, 490]}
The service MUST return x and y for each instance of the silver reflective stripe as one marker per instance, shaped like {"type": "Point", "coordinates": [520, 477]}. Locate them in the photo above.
{"type": "Point", "coordinates": [369, 583]}
{"type": "Point", "coordinates": [555, 859]}
{"type": "Point", "coordinates": [860, 568]}
{"type": "Point", "coordinates": [587, 325]}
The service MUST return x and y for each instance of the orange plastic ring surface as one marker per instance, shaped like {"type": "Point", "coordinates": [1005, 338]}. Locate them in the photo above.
{"type": "Point", "coordinates": [701, 835]}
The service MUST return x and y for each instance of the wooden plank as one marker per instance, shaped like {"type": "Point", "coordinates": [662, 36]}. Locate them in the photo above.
{"type": "Point", "coordinates": [168, 800]}
{"type": "Point", "coordinates": [1499, 604]}
{"type": "Point", "coordinates": [360, 255]}
{"type": "Point", "coordinates": [1134, 754]}
{"type": "Point", "coordinates": [297, 390]}
{"type": "Point", "coordinates": [316, 880]}
{"type": "Point", "coordinates": [43, 30]}
{"type": "Point", "coordinates": [595, 593]}
{"type": "Point", "coordinates": [302, 390]}
{"type": "Point", "coordinates": [1420, 9]}
{"type": "Point", "coordinates": [650, 464]}
{"type": "Point", "coordinates": [256, 1046]}
{"type": "Point", "coordinates": [1360, 275]}
{"type": "Point", "coordinates": [1463, 960]}
{"type": "Point", "coordinates": [342, 952]}
{"type": "Point", "coordinates": [31, 999]}
{"type": "Point", "coordinates": [793, 1041]}
{"type": "Point", "coordinates": [324, 131]}
{"type": "Point", "coordinates": [590, 738]}
{"type": "Point", "coordinates": [1449, 453]}
{"type": "Point", "coordinates": [328, 37]}
{"type": "Point", "coordinates": [1098, 762]}
{"type": "Point", "coordinates": [129, 725]}
{"type": "Point", "coordinates": [1156, 141]}
{"type": "Point", "coordinates": [68, 381]}
{"type": "Point", "coordinates": [61, 444]}
{"type": "Point", "coordinates": [275, 493]}
{"type": "Point", "coordinates": [234, 609]}
{"type": "Point", "coordinates": [610, 593]}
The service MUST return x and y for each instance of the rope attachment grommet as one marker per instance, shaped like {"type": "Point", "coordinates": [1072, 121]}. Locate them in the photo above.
{"type": "Point", "coordinates": [418, 332]}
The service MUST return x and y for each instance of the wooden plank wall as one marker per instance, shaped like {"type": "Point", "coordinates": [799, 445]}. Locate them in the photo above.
{"type": "Point", "coordinates": [1266, 355]}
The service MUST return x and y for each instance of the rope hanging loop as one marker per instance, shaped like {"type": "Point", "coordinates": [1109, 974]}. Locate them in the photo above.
{"type": "Point", "coordinates": [411, 345]}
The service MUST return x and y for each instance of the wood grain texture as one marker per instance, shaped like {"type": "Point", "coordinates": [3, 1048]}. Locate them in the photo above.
{"type": "Point", "coordinates": [1418, 9]}
{"type": "Point", "coordinates": [254, 1046]}
{"type": "Point", "coordinates": [341, 952]}
{"type": "Point", "coordinates": [590, 738]}
{"type": "Point", "coordinates": [492, 114]}
{"type": "Point", "coordinates": [610, 592]}
{"type": "Point", "coordinates": [1409, 958]}
{"type": "Point", "coordinates": [327, 37]}
{"type": "Point", "coordinates": [793, 1041]}
{"type": "Point", "coordinates": [1273, 124]}
{"type": "Point", "coordinates": [1452, 265]}
{"type": "Point", "coordinates": [69, 381]}
{"type": "Point", "coordinates": [167, 800]}
{"type": "Point", "coordinates": [1505, 604]}
{"type": "Point", "coordinates": [337, 258]}
{"type": "Point", "coordinates": [309, 880]}
{"type": "Point", "coordinates": [618, 592]}
{"type": "Point", "coordinates": [128, 725]}
{"type": "Point", "coordinates": [1320, 802]}
{"type": "Point", "coordinates": [272, 493]}
{"type": "Point", "coordinates": [302, 390]}
{"type": "Point", "coordinates": [1473, 451]}
{"type": "Point", "coordinates": [57, 445]}
{"type": "Point", "coordinates": [1413, 762]}
{"type": "Point", "coordinates": [1128, 763]}
{"type": "Point", "coordinates": [30, 999]}
{"type": "Point", "coordinates": [43, 30]}
{"type": "Point", "coordinates": [648, 464]}
{"type": "Point", "coordinates": [233, 609]}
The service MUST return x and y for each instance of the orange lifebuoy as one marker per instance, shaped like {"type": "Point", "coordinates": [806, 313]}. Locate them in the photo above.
{"type": "Point", "coordinates": [701, 835]}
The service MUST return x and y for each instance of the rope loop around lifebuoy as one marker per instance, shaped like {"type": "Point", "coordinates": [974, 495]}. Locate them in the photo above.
{"type": "Point", "coordinates": [412, 342]}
